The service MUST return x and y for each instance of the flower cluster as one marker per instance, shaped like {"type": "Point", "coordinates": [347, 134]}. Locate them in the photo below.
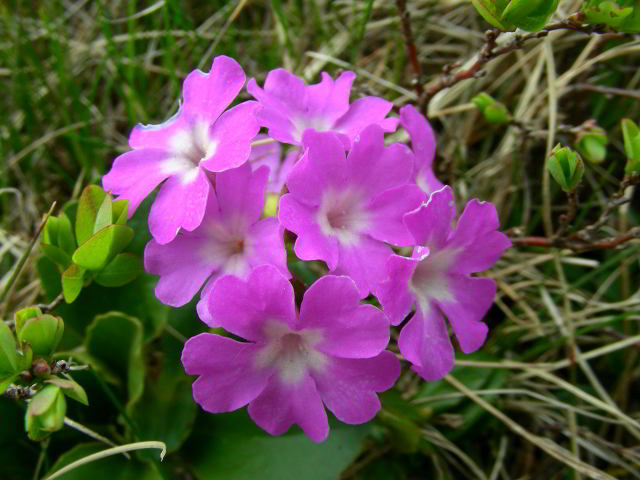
{"type": "Point", "coordinates": [350, 200]}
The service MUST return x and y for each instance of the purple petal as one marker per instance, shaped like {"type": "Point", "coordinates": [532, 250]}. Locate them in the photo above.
{"type": "Point", "coordinates": [264, 245]}
{"type": "Point", "coordinates": [242, 307]}
{"type": "Point", "coordinates": [276, 184]}
{"type": "Point", "coordinates": [135, 174]}
{"type": "Point", "coordinates": [349, 385]}
{"type": "Point", "coordinates": [424, 341]}
{"type": "Point", "coordinates": [181, 203]}
{"type": "Point", "coordinates": [312, 243]}
{"type": "Point", "coordinates": [182, 267]}
{"type": "Point", "coordinates": [349, 330]}
{"type": "Point", "coordinates": [229, 379]}
{"type": "Point", "coordinates": [266, 154]}
{"type": "Point", "coordinates": [232, 134]}
{"type": "Point", "coordinates": [206, 95]}
{"type": "Point", "coordinates": [376, 168]}
{"type": "Point", "coordinates": [280, 406]}
{"type": "Point", "coordinates": [472, 299]}
{"type": "Point", "coordinates": [427, 181]}
{"type": "Point", "coordinates": [159, 136]}
{"type": "Point", "coordinates": [329, 100]}
{"type": "Point", "coordinates": [386, 213]}
{"type": "Point", "coordinates": [363, 112]}
{"type": "Point", "coordinates": [476, 237]}
{"type": "Point", "coordinates": [241, 193]}
{"type": "Point", "coordinates": [322, 166]}
{"type": "Point", "coordinates": [394, 294]}
{"type": "Point", "coordinates": [365, 262]}
{"type": "Point", "coordinates": [423, 140]}
{"type": "Point", "coordinates": [431, 223]}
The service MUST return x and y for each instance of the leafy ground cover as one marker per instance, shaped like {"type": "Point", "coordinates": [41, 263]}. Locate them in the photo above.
{"type": "Point", "coordinates": [553, 393]}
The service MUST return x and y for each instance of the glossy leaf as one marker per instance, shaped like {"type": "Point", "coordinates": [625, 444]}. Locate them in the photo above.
{"type": "Point", "coordinates": [120, 211]}
{"type": "Point", "coordinates": [491, 11]}
{"type": "Point", "coordinates": [70, 388]}
{"type": "Point", "coordinates": [56, 254]}
{"type": "Point", "coordinates": [49, 277]}
{"type": "Point", "coordinates": [530, 15]}
{"type": "Point", "coordinates": [104, 217]}
{"type": "Point", "coordinates": [50, 231]}
{"type": "Point", "coordinates": [9, 363]}
{"type": "Point", "coordinates": [90, 201]}
{"type": "Point", "coordinates": [43, 333]}
{"type": "Point", "coordinates": [116, 340]}
{"type": "Point", "coordinates": [97, 251]}
{"type": "Point", "coordinates": [45, 413]}
{"type": "Point", "coordinates": [631, 135]}
{"type": "Point", "coordinates": [72, 282]}
{"type": "Point", "coordinates": [124, 268]}
{"type": "Point", "coordinates": [66, 241]}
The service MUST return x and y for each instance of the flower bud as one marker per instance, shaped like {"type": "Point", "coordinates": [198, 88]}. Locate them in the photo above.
{"type": "Point", "coordinates": [25, 314]}
{"type": "Point", "coordinates": [566, 167]}
{"type": "Point", "coordinates": [45, 413]}
{"type": "Point", "coordinates": [493, 111]}
{"type": "Point", "coordinates": [43, 333]}
{"type": "Point", "coordinates": [592, 142]}
{"type": "Point", "coordinates": [631, 135]}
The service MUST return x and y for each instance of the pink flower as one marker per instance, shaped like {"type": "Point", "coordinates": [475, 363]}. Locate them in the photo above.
{"type": "Point", "coordinates": [197, 140]}
{"type": "Point", "coordinates": [332, 353]}
{"type": "Point", "coordinates": [230, 240]}
{"type": "Point", "coordinates": [437, 280]}
{"type": "Point", "coordinates": [269, 154]}
{"type": "Point", "coordinates": [290, 107]}
{"type": "Point", "coordinates": [344, 209]}
{"type": "Point", "coordinates": [423, 144]}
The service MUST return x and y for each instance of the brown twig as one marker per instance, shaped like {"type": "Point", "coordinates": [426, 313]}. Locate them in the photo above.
{"type": "Point", "coordinates": [577, 244]}
{"type": "Point", "coordinates": [401, 5]}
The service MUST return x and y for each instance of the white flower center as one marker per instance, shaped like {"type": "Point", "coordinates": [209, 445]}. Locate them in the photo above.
{"type": "Point", "coordinates": [343, 215]}
{"type": "Point", "coordinates": [429, 281]}
{"type": "Point", "coordinates": [291, 353]}
{"type": "Point", "coordinates": [190, 146]}
{"type": "Point", "coordinates": [227, 247]}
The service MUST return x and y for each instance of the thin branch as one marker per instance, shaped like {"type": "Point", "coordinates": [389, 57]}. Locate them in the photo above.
{"type": "Point", "coordinates": [411, 46]}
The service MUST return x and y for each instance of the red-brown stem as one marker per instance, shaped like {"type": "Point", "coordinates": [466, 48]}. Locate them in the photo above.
{"type": "Point", "coordinates": [411, 46]}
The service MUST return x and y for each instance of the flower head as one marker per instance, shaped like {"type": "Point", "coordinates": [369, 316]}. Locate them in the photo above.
{"type": "Point", "coordinates": [423, 144]}
{"type": "Point", "coordinates": [290, 107]}
{"type": "Point", "coordinates": [344, 208]}
{"type": "Point", "coordinates": [230, 240]}
{"type": "Point", "coordinates": [437, 280]}
{"type": "Point", "coordinates": [332, 353]}
{"type": "Point", "coordinates": [197, 140]}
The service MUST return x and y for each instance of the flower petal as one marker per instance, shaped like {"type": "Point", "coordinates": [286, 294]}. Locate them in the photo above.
{"type": "Point", "coordinates": [424, 341]}
{"type": "Point", "coordinates": [160, 136]}
{"type": "Point", "coordinates": [241, 307]}
{"type": "Point", "coordinates": [279, 406]}
{"type": "Point", "coordinates": [207, 95]}
{"type": "Point", "coordinates": [472, 299]}
{"type": "Point", "coordinates": [312, 243]}
{"type": "Point", "coordinates": [394, 294]}
{"type": "Point", "coordinates": [228, 378]}
{"type": "Point", "coordinates": [329, 99]}
{"type": "Point", "coordinates": [431, 224]}
{"type": "Point", "coordinates": [232, 134]}
{"type": "Point", "coordinates": [264, 244]}
{"type": "Point", "coordinates": [477, 238]}
{"type": "Point", "coordinates": [348, 387]}
{"type": "Point", "coordinates": [135, 174]}
{"type": "Point", "coordinates": [181, 203]}
{"type": "Point", "coordinates": [241, 193]}
{"type": "Point", "coordinates": [349, 330]}
{"type": "Point", "coordinates": [181, 266]}
{"type": "Point", "coordinates": [376, 168]}
{"type": "Point", "coordinates": [423, 140]}
{"type": "Point", "coordinates": [363, 112]}
{"type": "Point", "coordinates": [365, 262]}
{"type": "Point", "coordinates": [386, 212]}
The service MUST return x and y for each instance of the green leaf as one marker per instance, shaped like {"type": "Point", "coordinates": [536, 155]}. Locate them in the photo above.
{"type": "Point", "coordinates": [491, 11]}
{"type": "Point", "coordinates": [115, 467]}
{"type": "Point", "coordinates": [49, 277]}
{"type": "Point", "coordinates": [25, 314]}
{"type": "Point", "coordinates": [166, 411]}
{"type": "Point", "coordinates": [43, 333]}
{"type": "Point", "coordinates": [116, 340]}
{"type": "Point", "coordinates": [231, 447]}
{"type": "Point", "coordinates": [90, 201]}
{"type": "Point", "coordinates": [56, 254]}
{"type": "Point", "coordinates": [120, 211]}
{"type": "Point", "coordinates": [45, 413]}
{"type": "Point", "coordinates": [65, 235]}
{"type": "Point", "coordinates": [566, 167]}
{"type": "Point", "coordinates": [631, 135]}
{"type": "Point", "coordinates": [608, 13]}
{"type": "Point", "coordinates": [9, 363]}
{"type": "Point", "coordinates": [70, 388]}
{"type": "Point", "coordinates": [5, 381]}
{"type": "Point", "coordinates": [50, 232]}
{"type": "Point", "coordinates": [97, 251]}
{"type": "Point", "coordinates": [72, 282]}
{"type": "Point", "coordinates": [104, 218]}
{"type": "Point", "coordinates": [530, 15]}
{"type": "Point", "coordinates": [124, 268]}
